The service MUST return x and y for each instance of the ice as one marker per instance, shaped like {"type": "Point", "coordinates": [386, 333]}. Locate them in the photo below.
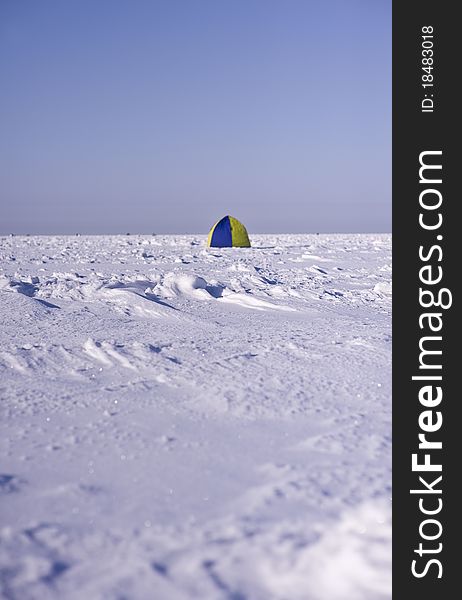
{"type": "Point", "coordinates": [180, 422]}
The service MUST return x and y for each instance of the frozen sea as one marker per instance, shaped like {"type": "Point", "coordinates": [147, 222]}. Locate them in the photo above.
{"type": "Point", "coordinates": [180, 422]}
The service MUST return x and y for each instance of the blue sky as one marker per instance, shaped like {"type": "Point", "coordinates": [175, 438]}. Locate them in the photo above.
{"type": "Point", "coordinates": [165, 115]}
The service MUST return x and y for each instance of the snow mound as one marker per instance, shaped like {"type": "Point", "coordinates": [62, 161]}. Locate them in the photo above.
{"type": "Point", "coordinates": [174, 285]}
{"type": "Point", "coordinates": [384, 287]}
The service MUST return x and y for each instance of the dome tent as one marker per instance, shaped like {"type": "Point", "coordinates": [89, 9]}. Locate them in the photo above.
{"type": "Point", "coordinates": [228, 232]}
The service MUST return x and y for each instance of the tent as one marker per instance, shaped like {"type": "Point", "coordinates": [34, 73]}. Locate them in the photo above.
{"type": "Point", "coordinates": [228, 232]}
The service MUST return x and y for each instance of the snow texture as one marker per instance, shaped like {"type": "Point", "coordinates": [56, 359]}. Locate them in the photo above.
{"type": "Point", "coordinates": [181, 423]}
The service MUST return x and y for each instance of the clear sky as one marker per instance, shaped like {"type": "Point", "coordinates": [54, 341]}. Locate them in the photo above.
{"type": "Point", "coordinates": [165, 115]}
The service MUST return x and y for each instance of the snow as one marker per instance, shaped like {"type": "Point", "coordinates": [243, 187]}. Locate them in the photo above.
{"type": "Point", "coordinates": [180, 423]}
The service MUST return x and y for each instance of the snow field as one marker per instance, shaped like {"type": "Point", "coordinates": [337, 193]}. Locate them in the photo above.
{"type": "Point", "coordinates": [180, 422]}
